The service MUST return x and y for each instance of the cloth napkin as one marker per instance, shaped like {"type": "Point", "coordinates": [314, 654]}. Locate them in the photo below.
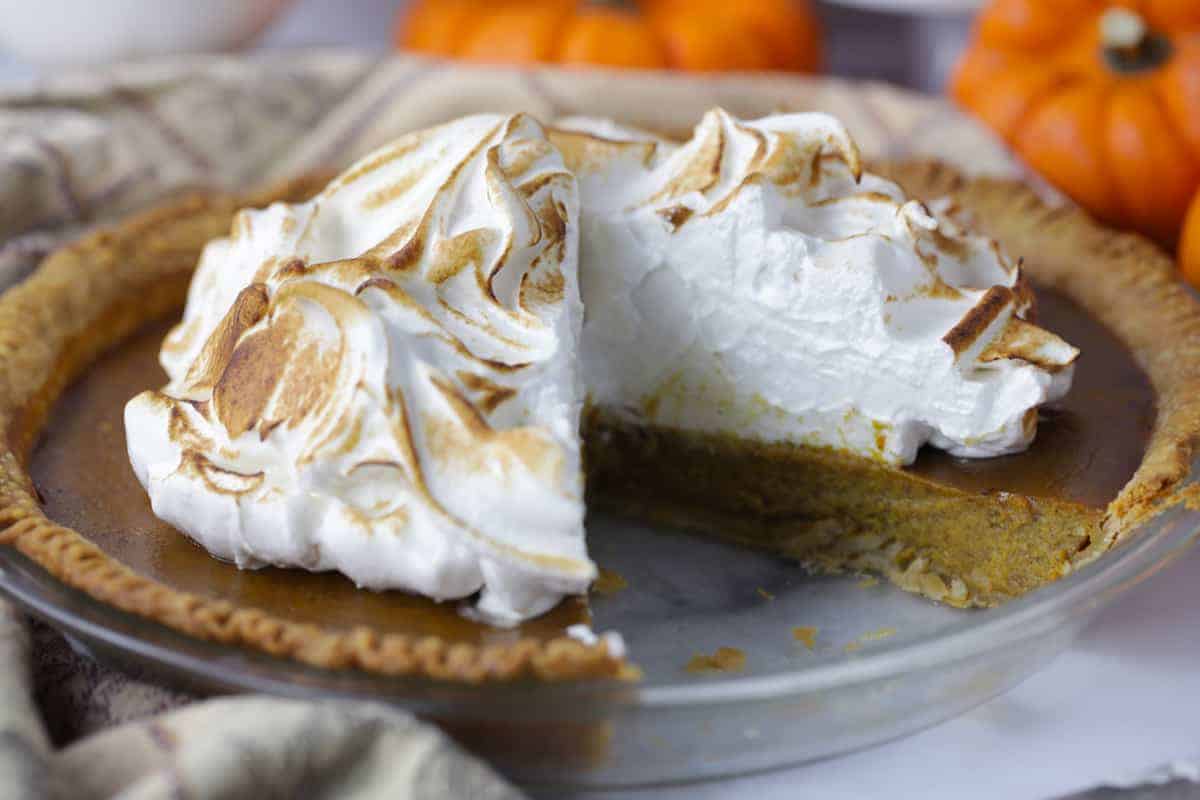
{"type": "Point", "coordinates": [246, 747]}
{"type": "Point", "coordinates": [83, 149]}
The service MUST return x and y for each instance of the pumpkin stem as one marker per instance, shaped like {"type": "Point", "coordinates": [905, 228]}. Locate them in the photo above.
{"type": "Point", "coordinates": [612, 5]}
{"type": "Point", "coordinates": [1128, 43]}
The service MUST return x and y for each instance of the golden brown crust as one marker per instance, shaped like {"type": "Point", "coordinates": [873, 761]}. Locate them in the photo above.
{"type": "Point", "coordinates": [1125, 282]}
{"type": "Point", "coordinates": [86, 298]}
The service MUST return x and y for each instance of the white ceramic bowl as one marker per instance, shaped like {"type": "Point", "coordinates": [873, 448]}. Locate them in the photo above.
{"type": "Point", "coordinates": [92, 31]}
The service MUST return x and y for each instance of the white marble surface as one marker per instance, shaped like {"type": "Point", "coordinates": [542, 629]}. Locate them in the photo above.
{"type": "Point", "coordinates": [1123, 702]}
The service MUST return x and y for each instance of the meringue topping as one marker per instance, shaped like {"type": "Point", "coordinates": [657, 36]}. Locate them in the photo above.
{"type": "Point", "coordinates": [383, 380]}
{"type": "Point", "coordinates": [756, 280]}
{"type": "Point", "coordinates": [387, 380]}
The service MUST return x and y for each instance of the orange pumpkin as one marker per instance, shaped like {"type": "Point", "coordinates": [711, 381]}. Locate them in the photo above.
{"type": "Point", "coordinates": [651, 34]}
{"type": "Point", "coordinates": [1189, 244]}
{"type": "Point", "coordinates": [1102, 97]}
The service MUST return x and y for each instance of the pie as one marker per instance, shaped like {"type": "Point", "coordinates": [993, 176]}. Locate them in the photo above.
{"type": "Point", "coordinates": [81, 337]}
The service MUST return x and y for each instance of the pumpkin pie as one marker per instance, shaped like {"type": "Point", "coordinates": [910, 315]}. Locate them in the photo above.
{"type": "Point", "coordinates": [83, 334]}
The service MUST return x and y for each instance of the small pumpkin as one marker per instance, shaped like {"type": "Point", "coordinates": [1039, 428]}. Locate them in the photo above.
{"type": "Point", "coordinates": [1101, 97]}
{"type": "Point", "coordinates": [1189, 244]}
{"type": "Point", "coordinates": [703, 35]}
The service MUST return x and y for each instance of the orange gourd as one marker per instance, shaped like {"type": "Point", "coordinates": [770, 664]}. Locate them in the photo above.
{"type": "Point", "coordinates": [1102, 97]}
{"type": "Point", "coordinates": [1189, 244]}
{"type": "Point", "coordinates": [704, 35]}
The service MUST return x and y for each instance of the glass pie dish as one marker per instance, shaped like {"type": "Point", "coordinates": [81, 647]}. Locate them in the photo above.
{"type": "Point", "coordinates": [884, 663]}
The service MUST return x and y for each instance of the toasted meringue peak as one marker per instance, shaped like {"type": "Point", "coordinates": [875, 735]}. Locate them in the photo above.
{"type": "Point", "coordinates": [754, 279]}
{"type": "Point", "coordinates": [383, 380]}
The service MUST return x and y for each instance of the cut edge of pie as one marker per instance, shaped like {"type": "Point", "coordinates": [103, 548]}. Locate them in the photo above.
{"type": "Point", "coordinates": [90, 295]}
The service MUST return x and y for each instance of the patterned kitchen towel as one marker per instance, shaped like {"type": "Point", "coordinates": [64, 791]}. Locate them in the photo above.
{"type": "Point", "coordinates": [245, 747]}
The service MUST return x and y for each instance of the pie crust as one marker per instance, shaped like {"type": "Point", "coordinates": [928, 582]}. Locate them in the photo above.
{"type": "Point", "coordinates": [89, 296]}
